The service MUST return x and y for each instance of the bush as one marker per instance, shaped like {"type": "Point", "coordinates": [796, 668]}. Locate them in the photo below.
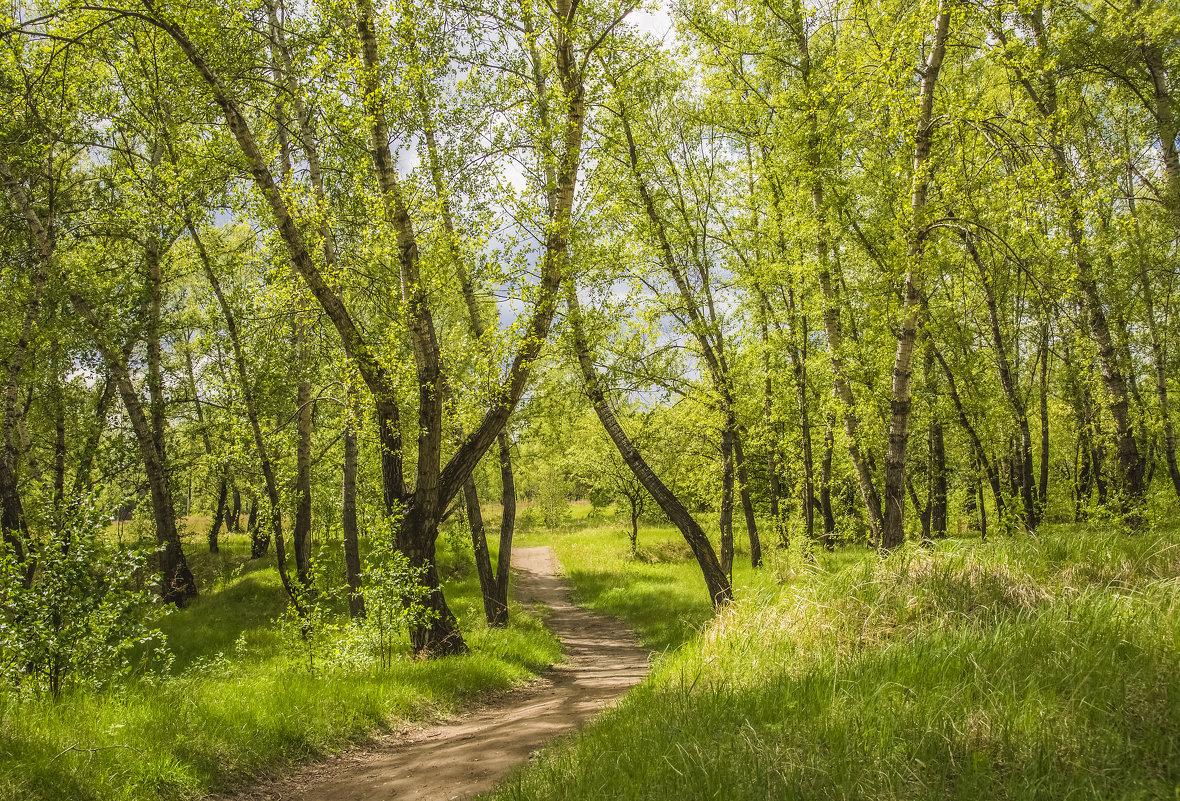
{"type": "Point", "coordinates": [76, 610]}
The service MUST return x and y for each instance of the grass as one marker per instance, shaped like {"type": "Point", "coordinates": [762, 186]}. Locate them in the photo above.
{"type": "Point", "coordinates": [240, 701]}
{"type": "Point", "coordinates": [1027, 668]}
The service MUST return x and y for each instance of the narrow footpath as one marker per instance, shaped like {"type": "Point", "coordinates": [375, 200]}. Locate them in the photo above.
{"type": "Point", "coordinates": [468, 755]}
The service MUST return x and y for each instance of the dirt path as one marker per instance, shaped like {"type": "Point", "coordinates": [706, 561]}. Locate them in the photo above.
{"type": "Point", "coordinates": [469, 755]}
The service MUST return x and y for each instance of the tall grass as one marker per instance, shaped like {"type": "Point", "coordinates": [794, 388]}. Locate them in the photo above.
{"type": "Point", "coordinates": [1027, 668]}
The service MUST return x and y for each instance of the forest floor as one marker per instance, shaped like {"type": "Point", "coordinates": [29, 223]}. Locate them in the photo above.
{"type": "Point", "coordinates": [466, 756]}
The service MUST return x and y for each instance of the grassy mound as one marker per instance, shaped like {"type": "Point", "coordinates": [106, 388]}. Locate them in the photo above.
{"type": "Point", "coordinates": [1029, 668]}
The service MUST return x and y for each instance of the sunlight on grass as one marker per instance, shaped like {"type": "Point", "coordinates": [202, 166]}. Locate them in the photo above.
{"type": "Point", "coordinates": [1028, 668]}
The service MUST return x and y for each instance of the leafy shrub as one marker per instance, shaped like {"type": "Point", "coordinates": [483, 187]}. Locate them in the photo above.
{"type": "Point", "coordinates": [77, 609]}
{"type": "Point", "coordinates": [394, 601]}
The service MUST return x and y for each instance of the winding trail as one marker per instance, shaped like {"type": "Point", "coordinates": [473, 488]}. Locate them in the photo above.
{"type": "Point", "coordinates": [468, 755]}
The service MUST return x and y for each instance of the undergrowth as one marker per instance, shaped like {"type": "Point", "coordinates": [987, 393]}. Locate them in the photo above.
{"type": "Point", "coordinates": [242, 700]}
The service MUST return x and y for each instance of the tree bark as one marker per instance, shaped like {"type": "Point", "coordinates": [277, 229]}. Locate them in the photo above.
{"type": "Point", "coordinates": [893, 530]}
{"type": "Point", "coordinates": [352, 554]}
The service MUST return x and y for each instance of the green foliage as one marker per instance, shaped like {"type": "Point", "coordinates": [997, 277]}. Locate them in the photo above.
{"type": "Point", "coordinates": [79, 607]}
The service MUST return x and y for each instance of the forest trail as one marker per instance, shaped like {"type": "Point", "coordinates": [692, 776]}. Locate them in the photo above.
{"type": "Point", "coordinates": [468, 755]}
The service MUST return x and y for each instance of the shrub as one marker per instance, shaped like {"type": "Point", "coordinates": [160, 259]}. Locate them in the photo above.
{"type": "Point", "coordinates": [77, 609]}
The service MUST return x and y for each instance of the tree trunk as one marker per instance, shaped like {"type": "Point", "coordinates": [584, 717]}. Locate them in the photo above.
{"type": "Point", "coordinates": [1043, 480]}
{"type": "Point", "coordinates": [82, 481]}
{"type": "Point", "coordinates": [743, 487]}
{"type": "Point", "coordinates": [352, 554]}
{"type": "Point", "coordinates": [507, 527]}
{"type": "Point", "coordinates": [938, 485]}
{"type": "Point", "coordinates": [235, 517]}
{"type": "Point", "coordinates": [825, 488]}
{"type": "Point", "coordinates": [301, 534]}
{"type": "Point", "coordinates": [716, 579]}
{"type": "Point", "coordinates": [725, 517]}
{"type": "Point", "coordinates": [893, 529]}
{"type": "Point", "coordinates": [1131, 463]}
{"type": "Point", "coordinates": [1024, 476]}
{"type": "Point", "coordinates": [218, 514]}
{"type": "Point", "coordinates": [177, 585]}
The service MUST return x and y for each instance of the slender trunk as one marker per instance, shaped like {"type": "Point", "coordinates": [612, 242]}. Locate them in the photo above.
{"type": "Point", "coordinates": [709, 337]}
{"type": "Point", "coordinates": [214, 528]}
{"type": "Point", "coordinates": [177, 585]}
{"type": "Point", "coordinates": [725, 521]}
{"type": "Point", "coordinates": [825, 487]}
{"type": "Point", "coordinates": [82, 481]}
{"type": "Point", "coordinates": [743, 488]}
{"type": "Point", "coordinates": [982, 506]}
{"type": "Point", "coordinates": [1131, 463]}
{"type": "Point", "coordinates": [922, 510]}
{"type": "Point", "coordinates": [893, 529]}
{"type": "Point", "coordinates": [1043, 480]}
{"type": "Point", "coordinates": [352, 553]}
{"type": "Point", "coordinates": [260, 540]}
{"type": "Point", "coordinates": [716, 579]}
{"type": "Point", "coordinates": [235, 516]}
{"type": "Point", "coordinates": [218, 514]}
{"type": "Point", "coordinates": [768, 418]}
{"type": "Point", "coordinates": [938, 483]}
{"type": "Point", "coordinates": [1024, 477]}
{"type": "Point", "coordinates": [830, 288]}
{"type": "Point", "coordinates": [507, 527]}
{"type": "Point", "coordinates": [980, 454]}
{"type": "Point", "coordinates": [301, 534]}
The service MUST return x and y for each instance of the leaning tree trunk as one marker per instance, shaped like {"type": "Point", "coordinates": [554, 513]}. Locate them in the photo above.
{"type": "Point", "coordinates": [716, 579]}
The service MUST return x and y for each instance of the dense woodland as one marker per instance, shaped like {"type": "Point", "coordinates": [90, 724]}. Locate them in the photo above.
{"type": "Point", "coordinates": [332, 278]}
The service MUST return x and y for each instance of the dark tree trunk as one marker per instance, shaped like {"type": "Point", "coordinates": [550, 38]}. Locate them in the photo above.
{"type": "Point", "coordinates": [743, 487]}
{"type": "Point", "coordinates": [352, 553]}
{"type": "Point", "coordinates": [938, 484]}
{"type": "Point", "coordinates": [725, 519]}
{"type": "Point", "coordinates": [1043, 479]}
{"type": "Point", "coordinates": [825, 488]}
{"type": "Point", "coordinates": [218, 514]}
{"type": "Point", "coordinates": [235, 515]}
{"type": "Point", "coordinates": [301, 534]}
{"type": "Point", "coordinates": [1023, 484]}
{"type": "Point", "coordinates": [507, 528]}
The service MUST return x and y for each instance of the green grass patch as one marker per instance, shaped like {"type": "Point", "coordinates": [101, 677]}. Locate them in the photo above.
{"type": "Point", "coordinates": [1028, 668]}
{"type": "Point", "coordinates": [240, 702]}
